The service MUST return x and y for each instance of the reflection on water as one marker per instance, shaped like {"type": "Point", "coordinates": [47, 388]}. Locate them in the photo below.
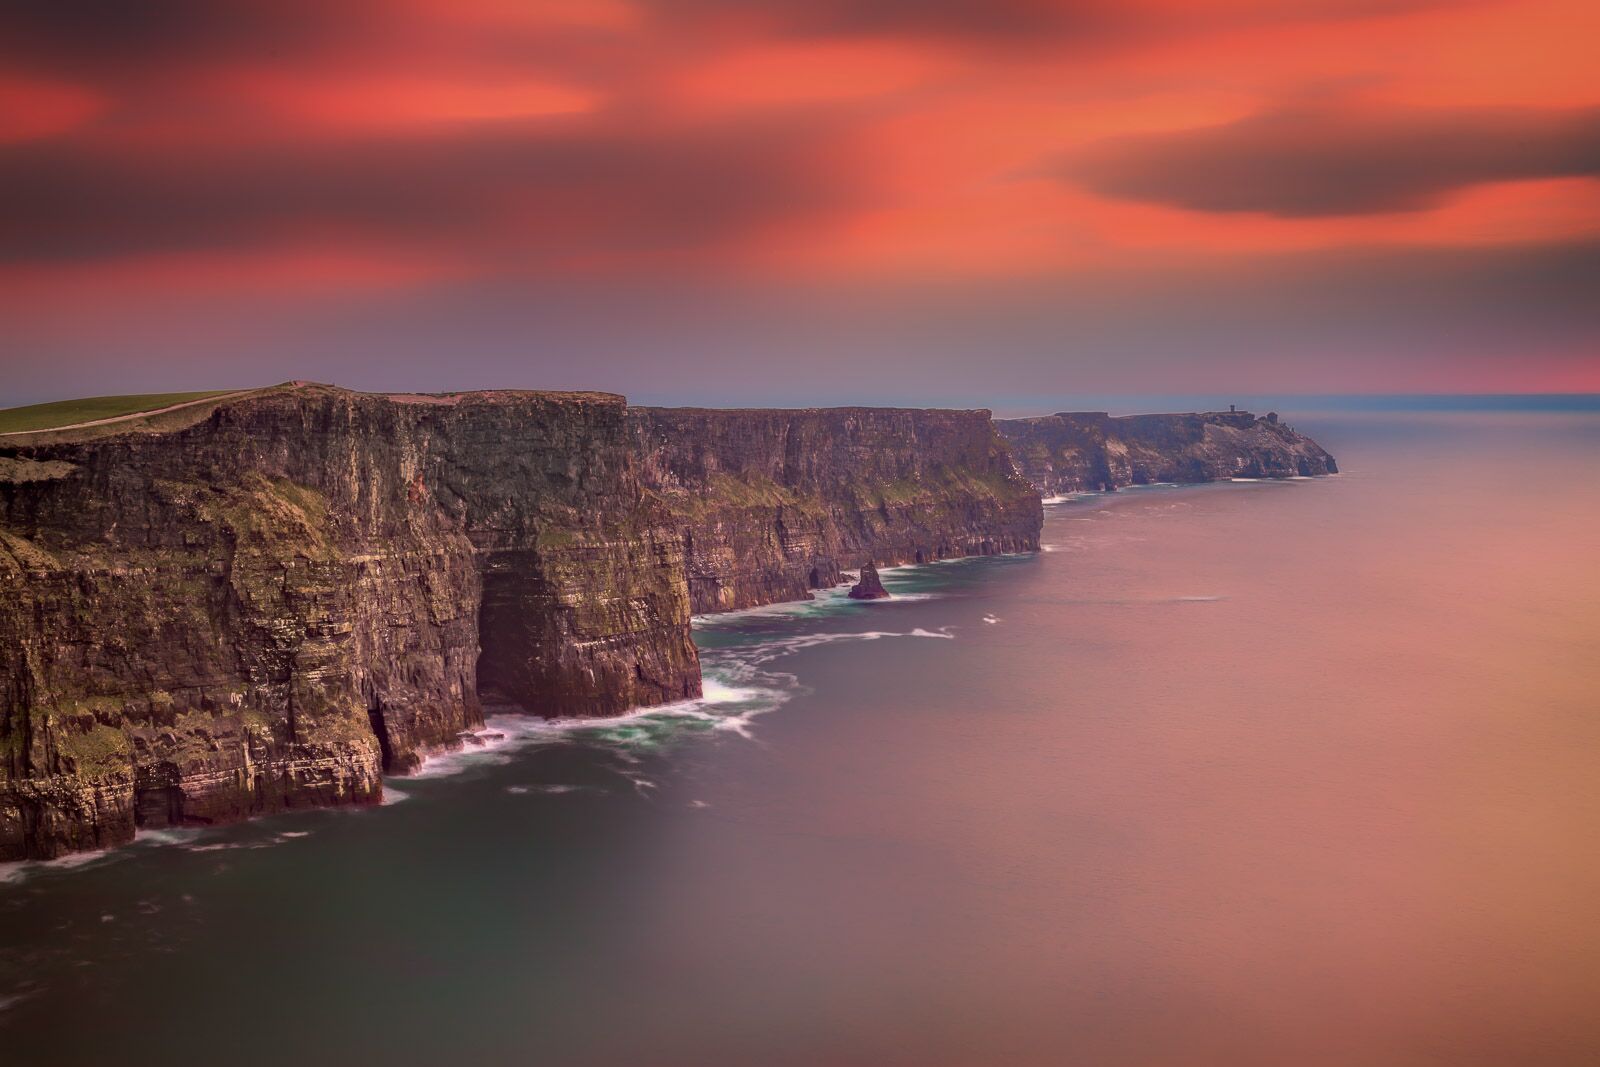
{"type": "Point", "coordinates": [1263, 773]}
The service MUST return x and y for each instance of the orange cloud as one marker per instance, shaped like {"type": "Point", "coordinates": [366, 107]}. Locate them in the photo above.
{"type": "Point", "coordinates": [781, 74]}
{"type": "Point", "coordinates": [325, 270]}
{"type": "Point", "coordinates": [381, 102]}
{"type": "Point", "coordinates": [33, 108]}
{"type": "Point", "coordinates": [814, 138]}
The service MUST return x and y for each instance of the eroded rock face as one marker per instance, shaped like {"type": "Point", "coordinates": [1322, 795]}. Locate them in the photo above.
{"type": "Point", "coordinates": [770, 502]}
{"type": "Point", "coordinates": [266, 609]}
{"type": "Point", "coordinates": [870, 586]}
{"type": "Point", "coordinates": [1078, 451]}
{"type": "Point", "coordinates": [268, 603]}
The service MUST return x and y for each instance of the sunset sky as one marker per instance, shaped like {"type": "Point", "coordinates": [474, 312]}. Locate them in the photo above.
{"type": "Point", "coordinates": [801, 201]}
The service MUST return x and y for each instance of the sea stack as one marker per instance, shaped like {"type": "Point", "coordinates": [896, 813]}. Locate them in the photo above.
{"type": "Point", "coordinates": [869, 587]}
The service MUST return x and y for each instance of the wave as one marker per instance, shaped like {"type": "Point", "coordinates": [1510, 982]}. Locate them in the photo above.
{"type": "Point", "coordinates": [823, 601]}
{"type": "Point", "coordinates": [188, 839]}
{"type": "Point", "coordinates": [229, 846]}
{"type": "Point", "coordinates": [23, 869]}
{"type": "Point", "coordinates": [553, 789]}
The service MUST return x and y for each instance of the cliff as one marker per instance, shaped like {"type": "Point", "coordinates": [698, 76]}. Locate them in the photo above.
{"type": "Point", "coordinates": [268, 600]}
{"type": "Point", "coordinates": [1076, 451]}
{"type": "Point", "coordinates": [773, 504]}
{"type": "Point", "coordinates": [266, 608]}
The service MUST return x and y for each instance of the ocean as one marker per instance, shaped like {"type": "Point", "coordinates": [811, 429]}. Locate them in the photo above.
{"type": "Point", "coordinates": [1252, 773]}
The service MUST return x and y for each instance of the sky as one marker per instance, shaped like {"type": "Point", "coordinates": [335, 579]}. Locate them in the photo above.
{"type": "Point", "coordinates": [801, 201]}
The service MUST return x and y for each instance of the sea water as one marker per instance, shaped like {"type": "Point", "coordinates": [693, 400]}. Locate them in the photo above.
{"type": "Point", "coordinates": [1253, 773]}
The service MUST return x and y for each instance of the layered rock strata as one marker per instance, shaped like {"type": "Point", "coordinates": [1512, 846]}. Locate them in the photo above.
{"type": "Point", "coordinates": [270, 600]}
{"type": "Point", "coordinates": [771, 504]}
{"type": "Point", "coordinates": [1078, 451]}
{"type": "Point", "coordinates": [267, 608]}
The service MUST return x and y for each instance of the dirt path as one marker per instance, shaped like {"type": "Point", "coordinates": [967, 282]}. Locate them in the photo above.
{"type": "Point", "coordinates": [132, 415]}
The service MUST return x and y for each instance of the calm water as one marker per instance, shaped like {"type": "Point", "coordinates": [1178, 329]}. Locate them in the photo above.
{"type": "Point", "coordinates": [1303, 773]}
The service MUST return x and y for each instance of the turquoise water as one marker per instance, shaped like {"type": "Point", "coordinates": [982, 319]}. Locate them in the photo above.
{"type": "Point", "coordinates": [1255, 773]}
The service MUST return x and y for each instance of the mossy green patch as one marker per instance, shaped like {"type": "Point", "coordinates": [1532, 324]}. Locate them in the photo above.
{"type": "Point", "coordinates": [25, 552]}
{"type": "Point", "coordinates": [88, 409]}
{"type": "Point", "coordinates": [98, 752]}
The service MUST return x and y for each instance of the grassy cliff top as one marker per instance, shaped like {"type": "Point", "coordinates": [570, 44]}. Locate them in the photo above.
{"type": "Point", "coordinates": [102, 416]}
{"type": "Point", "coordinates": [65, 413]}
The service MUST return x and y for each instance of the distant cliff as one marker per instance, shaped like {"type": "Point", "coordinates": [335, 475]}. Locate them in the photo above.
{"type": "Point", "coordinates": [773, 504]}
{"type": "Point", "coordinates": [1091, 450]}
{"type": "Point", "coordinates": [267, 601]}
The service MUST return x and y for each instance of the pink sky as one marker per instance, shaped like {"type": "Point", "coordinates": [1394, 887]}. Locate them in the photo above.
{"type": "Point", "coordinates": [782, 200]}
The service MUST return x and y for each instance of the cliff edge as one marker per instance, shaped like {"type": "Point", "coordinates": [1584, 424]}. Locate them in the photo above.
{"type": "Point", "coordinates": [268, 607]}
{"type": "Point", "coordinates": [1092, 450]}
{"type": "Point", "coordinates": [771, 504]}
{"type": "Point", "coordinates": [267, 600]}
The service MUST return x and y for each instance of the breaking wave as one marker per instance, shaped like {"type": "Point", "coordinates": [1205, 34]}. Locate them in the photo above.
{"type": "Point", "coordinates": [740, 684]}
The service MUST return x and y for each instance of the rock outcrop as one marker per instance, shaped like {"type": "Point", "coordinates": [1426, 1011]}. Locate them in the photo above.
{"type": "Point", "coordinates": [269, 601]}
{"type": "Point", "coordinates": [870, 586]}
{"type": "Point", "coordinates": [1078, 451]}
{"type": "Point", "coordinates": [769, 503]}
{"type": "Point", "coordinates": [267, 608]}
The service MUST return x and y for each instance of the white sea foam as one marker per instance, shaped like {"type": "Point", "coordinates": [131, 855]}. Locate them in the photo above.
{"type": "Point", "coordinates": [836, 599]}
{"type": "Point", "coordinates": [22, 869]}
{"type": "Point", "coordinates": [822, 602]}
{"type": "Point", "coordinates": [249, 844]}
{"type": "Point", "coordinates": [553, 789]}
{"type": "Point", "coordinates": [738, 686]}
{"type": "Point", "coordinates": [191, 839]}
{"type": "Point", "coordinates": [716, 692]}
{"type": "Point", "coordinates": [991, 619]}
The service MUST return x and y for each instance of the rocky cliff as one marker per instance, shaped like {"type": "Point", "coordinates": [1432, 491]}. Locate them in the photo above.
{"type": "Point", "coordinates": [773, 504]}
{"type": "Point", "coordinates": [1076, 451]}
{"type": "Point", "coordinates": [268, 601]}
{"type": "Point", "coordinates": [267, 608]}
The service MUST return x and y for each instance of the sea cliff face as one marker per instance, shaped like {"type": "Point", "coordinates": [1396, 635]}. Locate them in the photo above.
{"type": "Point", "coordinates": [773, 504]}
{"type": "Point", "coordinates": [269, 602]}
{"type": "Point", "coordinates": [268, 608]}
{"type": "Point", "coordinates": [1091, 450]}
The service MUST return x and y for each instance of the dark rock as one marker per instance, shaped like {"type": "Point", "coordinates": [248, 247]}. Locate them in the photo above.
{"type": "Point", "coordinates": [1090, 450]}
{"type": "Point", "coordinates": [269, 606]}
{"type": "Point", "coordinates": [869, 587]}
{"type": "Point", "coordinates": [771, 502]}
{"type": "Point", "coordinates": [268, 602]}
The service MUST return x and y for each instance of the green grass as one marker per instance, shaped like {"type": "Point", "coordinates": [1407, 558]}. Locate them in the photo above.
{"type": "Point", "coordinates": [68, 412]}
